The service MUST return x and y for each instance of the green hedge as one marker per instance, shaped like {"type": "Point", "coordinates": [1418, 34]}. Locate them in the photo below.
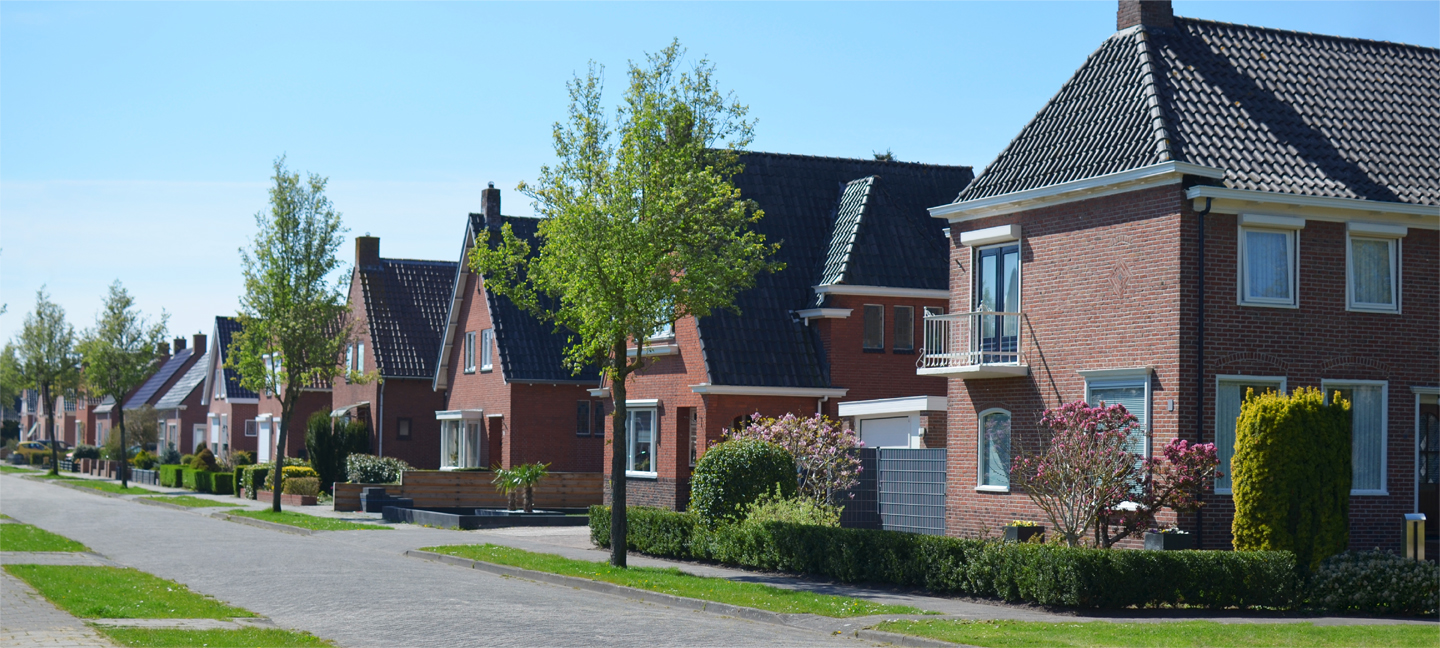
{"type": "Point", "coordinates": [170, 475]}
{"type": "Point", "coordinates": [253, 476]}
{"type": "Point", "coordinates": [223, 483]}
{"type": "Point", "coordinates": [1043, 574]}
{"type": "Point", "coordinates": [199, 480]}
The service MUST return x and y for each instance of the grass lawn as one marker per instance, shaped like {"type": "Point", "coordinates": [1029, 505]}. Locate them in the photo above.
{"type": "Point", "coordinates": [191, 501]}
{"type": "Point", "coordinates": [107, 486]}
{"type": "Point", "coordinates": [1175, 634]}
{"type": "Point", "coordinates": [678, 583]}
{"type": "Point", "coordinates": [312, 522]}
{"type": "Point", "coordinates": [120, 593]}
{"type": "Point", "coordinates": [244, 638]}
{"type": "Point", "coordinates": [23, 537]}
{"type": "Point", "coordinates": [4, 468]}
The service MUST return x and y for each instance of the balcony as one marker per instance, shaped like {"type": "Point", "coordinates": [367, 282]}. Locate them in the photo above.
{"type": "Point", "coordinates": [975, 345]}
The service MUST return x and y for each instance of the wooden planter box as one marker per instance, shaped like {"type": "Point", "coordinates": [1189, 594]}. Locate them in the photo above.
{"type": "Point", "coordinates": [286, 498]}
{"type": "Point", "coordinates": [1024, 533]}
{"type": "Point", "coordinates": [1168, 541]}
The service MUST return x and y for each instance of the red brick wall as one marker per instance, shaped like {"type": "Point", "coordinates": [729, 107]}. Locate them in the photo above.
{"type": "Point", "coordinates": [192, 414]}
{"type": "Point", "coordinates": [871, 374]}
{"type": "Point", "coordinates": [311, 401]}
{"type": "Point", "coordinates": [237, 414]}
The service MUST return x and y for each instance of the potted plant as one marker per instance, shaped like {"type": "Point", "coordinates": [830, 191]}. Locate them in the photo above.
{"type": "Point", "coordinates": [526, 477]}
{"type": "Point", "coordinates": [1171, 539]}
{"type": "Point", "coordinates": [1024, 530]}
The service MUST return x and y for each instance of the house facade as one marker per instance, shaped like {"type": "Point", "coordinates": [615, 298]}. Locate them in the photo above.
{"type": "Point", "coordinates": [398, 309]}
{"type": "Point", "coordinates": [508, 398]}
{"type": "Point", "coordinates": [836, 332]}
{"type": "Point", "coordinates": [172, 369]}
{"type": "Point", "coordinates": [1203, 208]}
{"type": "Point", "coordinates": [230, 410]}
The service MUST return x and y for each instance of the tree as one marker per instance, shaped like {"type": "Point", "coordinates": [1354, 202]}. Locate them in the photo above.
{"type": "Point", "coordinates": [293, 315]}
{"type": "Point", "coordinates": [642, 226]}
{"type": "Point", "coordinates": [1174, 480]}
{"type": "Point", "coordinates": [118, 355]}
{"type": "Point", "coordinates": [46, 361]}
{"type": "Point", "coordinates": [142, 428]}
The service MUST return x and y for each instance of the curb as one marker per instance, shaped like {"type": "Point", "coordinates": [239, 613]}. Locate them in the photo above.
{"type": "Point", "coordinates": [273, 526]}
{"type": "Point", "coordinates": [906, 640]}
{"type": "Point", "coordinates": [92, 491]}
{"type": "Point", "coordinates": [150, 502]}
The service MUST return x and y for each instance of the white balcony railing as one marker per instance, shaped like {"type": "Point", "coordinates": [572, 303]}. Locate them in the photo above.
{"type": "Point", "coordinates": [983, 344]}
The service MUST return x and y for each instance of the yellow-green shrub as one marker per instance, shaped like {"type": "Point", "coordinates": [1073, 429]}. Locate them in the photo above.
{"type": "Point", "coordinates": [301, 486]}
{"type": "Point", "coordinates": [291, 472]}
{"type": "Point", "coordinates": [1291, 475]}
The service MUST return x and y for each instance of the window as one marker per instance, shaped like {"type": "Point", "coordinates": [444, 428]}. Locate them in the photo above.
{"type": "Point", "coordinates": [360, 357]}
{"type": "Point", "coordinates": [904, 328]}
{"type": "Point", "coordinates": [599, 411]}
{"type": "Point", "coordinates": [250, 428]}
{"type": "Point", "coordinates": [402, 428]}
{"type": "Point", "coordinates": [470, 352]}
{"type": "Point", "coordinates": [350, 358]}
{"type": "Point", "coordinates": [1428, 448]}
{"type": "Point", "coordinates": [1229, 394]}
{"type": "Point", "coordinates": [487, 338]}
{"type": "Point", "coordinates": [1267, 267]}
{"type": "Point", "coordinates": [666, 331]}
{"type": "Point", "coordinates": [874, 339]}
{"type": "Point", "coordinates": [1367, 431]}
{"type": "Point", "coordinates": [997, 290]}
{"type": "Point", "coordinates": [694, 434]}
{"type": "Point", "coordinates": [1373, 266]}
{"type": "Point", "coordinates": [1134, 395]}
{"type": "Point", "coordinates": [582, 418]}
{"type": "Point", "coordinates": [994, 466]}
{"type": "Point", "coordinates": [640, 439]}
{"type": "Point", "coordinates": [219, 382]}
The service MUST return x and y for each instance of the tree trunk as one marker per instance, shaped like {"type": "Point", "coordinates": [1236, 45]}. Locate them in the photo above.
{"type": "Point", "coordinates": [124, 452]}
{"type": "Point", "coordinates": [617, 457]}
{"type": "Point", "coordinates": [47, 409]}
{"type": "Point", "coordinates": [529, 498]}
{"type": "Point", "coordinates": [279, 469]}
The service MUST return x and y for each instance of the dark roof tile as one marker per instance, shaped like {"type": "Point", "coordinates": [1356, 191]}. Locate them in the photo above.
{"type": "Point", "coordinates": [406, 303]}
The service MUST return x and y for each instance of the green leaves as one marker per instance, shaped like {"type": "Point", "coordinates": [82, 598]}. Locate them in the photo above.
{"type": "Point", "coordinates": [119, 352]}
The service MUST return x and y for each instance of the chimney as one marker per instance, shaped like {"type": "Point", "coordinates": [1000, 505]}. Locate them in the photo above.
{"type": "Point", "coordinates": [1149, 13]}
{"type": "Point", "coordinates": [490, 196]}
{"type": "Point", "coordinates": [197, 342]}
{"type": "Point", "coordinates": [367, 250]}
{"type": "Point", "coordinates": [178, 345]}
{"type": "Point", "coordinates": [162, 352]}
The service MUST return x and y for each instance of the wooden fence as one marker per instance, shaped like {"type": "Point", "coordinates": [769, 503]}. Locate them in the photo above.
{"type": "Point", "coordinates": [457, 489]}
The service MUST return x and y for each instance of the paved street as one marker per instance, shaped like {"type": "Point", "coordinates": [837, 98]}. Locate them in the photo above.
{"type": "Point", "coordinates": [362, 593]}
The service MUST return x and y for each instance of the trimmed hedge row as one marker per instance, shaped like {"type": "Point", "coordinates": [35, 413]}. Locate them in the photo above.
{"type": "Point", "coordinates": [1043, 574]}
{"type": "Point", "coordinates": [170, 475]}
{"type": "Point", "coordinates": [223, 483]}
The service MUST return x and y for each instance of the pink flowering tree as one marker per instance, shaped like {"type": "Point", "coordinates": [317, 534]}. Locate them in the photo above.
{"type": "Point", "coordinates": [1083, 470]}
{"type": "Point", "coordinates": [1175, 480]}
{"type": "Point", "coordinates": [826, 463]}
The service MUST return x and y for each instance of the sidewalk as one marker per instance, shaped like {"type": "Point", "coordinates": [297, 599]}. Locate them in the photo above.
{"type": "Point", "coordinates": [27, 619]}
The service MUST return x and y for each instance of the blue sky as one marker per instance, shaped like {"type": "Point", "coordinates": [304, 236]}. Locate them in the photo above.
{"type": "Point", "coordinates": [136, 139]}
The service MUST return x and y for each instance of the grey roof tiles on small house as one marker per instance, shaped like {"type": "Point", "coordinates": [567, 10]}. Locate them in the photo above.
{"type": "Point", "coordinates": [1279, 111]}
{"type": "Point", "coordinates": [406, 303]}
{"type": "Point", "coordinates": [151, 387]}
{"type": "Point", "coordinates": [225, 330]}
{"type": "Point", "coordinates": [193, 379]}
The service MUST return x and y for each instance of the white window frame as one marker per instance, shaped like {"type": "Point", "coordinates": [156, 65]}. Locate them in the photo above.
{"type": "Point", "coordinates": [219, 382]}
{"type": "Point", "coordinates": [1127, 378]}
{"type": "Point", "coordinates": [1290, 227]}
{"type": "Point", "coordinates": [487, 342]}
{"type": "Point", "coordinates": [1350, 303]}
{"type": "Point", "coordinates": [654, 471]}
{"type": "Point", "coordinates": [360, 357]}
{"type": "Point", "coordinates": [665, 331]}
{"type": "Point", "coordinates": [469, 352]}
{"type": "Point", "coordinates": [980, 484]}
{"type": "Point", "coordinates": [1327, 385]}
{"type": "Point", "coordinates": [350, 358]}
{"type": "Point", "coordinates": [1281, 381]}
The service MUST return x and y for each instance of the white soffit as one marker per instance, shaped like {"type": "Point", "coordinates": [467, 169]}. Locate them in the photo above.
{"type": "Point", "coordinates": [455, 415]}
{"type": "Point", "coordinates": [824, 313]}
{"type": "Point", "coordinates": [340, 411]}
{"type": "Point", "coordinates": [1236, 201]}
{"type": "Point", "coordinates": [603, 392]}
{"type": "Point", "coordinates": [642, 402]}
{"type": "Point", "coordinates": [894, 405]}
{"type": "Point", "coordinates": [1150, 176]}
{"type": "Point", "coordinates": [1267, 220]}
{"type": "Point", "coordinates": [1116, 374]}
{"type": "Point", "coordinates": [999, 234]}
{"type": "Point", "coordinates": [745, 390]}
{"type": "Point", "coordinates": [1377, 229]}
{"type": "Point", "coordinates": [881, 291]}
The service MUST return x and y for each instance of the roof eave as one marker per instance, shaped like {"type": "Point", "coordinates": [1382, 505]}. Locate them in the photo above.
{"type": "Point", "coordinates": [1233, 201]}
{"type": "Point", "coordinates": [1085, 188]}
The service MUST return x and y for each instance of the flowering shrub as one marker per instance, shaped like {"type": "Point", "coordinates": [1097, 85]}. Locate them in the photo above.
{"type": "Point", "coordinates": [1174, 480]}
{"type": "Point", "coordinates": [825, 462]}
{"type": "Point", "coordinates": [1375, 582]}
{"type": "Point", "coordinates": [370, 469]}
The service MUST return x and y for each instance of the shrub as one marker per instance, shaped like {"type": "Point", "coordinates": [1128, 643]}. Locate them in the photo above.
{"type": "Point", "coordinates": [186, 459]}
{"type": "Point", "coordinates": [1291, 474]}
{"type": "Point", "coordinates": [242, 458]}
{"type": "Point", "coordinates": [825, 459]}
{"type": "Point", "coordinates": [301, 486]}
{"type": "Point", "coordinates": [83, 451]}
{"type": "Point", "coordinates": [735, 473]}
{"type": "Point", "coordinates": [170, 456]}
{"type": "Point", "coordinates": [1034, 573]}
{"type": "Point", "coordinates": [772, 507]}
{"type": "Point", "coordinates": [329, 442]}
{"type": "Point", "coordinates": [1375, 582]}
{"type": "Point", "coordinates": [253, 476]}
{"type": "Point", "coordinates": [370, 469]}
{"type": "Point", "coordinates": [223, 483]}
{"type": "Point", "coordinates": [205, 460]}
{"type": "Point", "coordinates": [289, 473]}
{"type": "Point", "coordinates": [144, 460]}
{"type": "Point", "coordinates": [198, 480]}
{"type": "Point", "coordinates": [170, 475]}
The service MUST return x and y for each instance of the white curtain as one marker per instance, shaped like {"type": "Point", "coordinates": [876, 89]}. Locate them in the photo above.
{"type": "Point", "coordinates": [1267, 262]}
{"type": "Point", "coordinates": [1370, 263]}
{"type": "Point", "coordinates": [1367, 437]}
{"type": "Point", "coordinates": [1227, 409]}
{"type": "Point", "coordinates": [995, 450]}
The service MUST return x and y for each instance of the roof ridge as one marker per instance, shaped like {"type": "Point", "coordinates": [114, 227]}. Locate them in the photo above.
{"type": "Point", "coordinates": [847, 159]}
{"type": "Point", "coordinates": [401, 260]}
{"type": "Point", "coordinates": [1307, 34]}
{"type": "Point", "coordinates": [1158, 128]}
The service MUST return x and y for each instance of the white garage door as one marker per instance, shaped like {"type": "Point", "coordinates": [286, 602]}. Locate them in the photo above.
{"type": "Point", "coordinates": [886, 432]}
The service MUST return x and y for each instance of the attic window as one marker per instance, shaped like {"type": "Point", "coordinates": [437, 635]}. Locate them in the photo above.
{"type": "Point", "coordinates": [487, 339]}
{"type": "Point", "coordinates": [469, 352]}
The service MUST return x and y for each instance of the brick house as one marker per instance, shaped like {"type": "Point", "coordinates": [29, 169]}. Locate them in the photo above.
{"type": "Point", "coordinates": [398, 309]}
{"type": "Point", "coordinates": [182, 414]}
{"type": "Point", "coordinates": [1204, 207]}
{"type": "Point", "coordinates": [508, 398]}
{"type": "Point", "coordinates": [837, 331]}
{"type": "Point", "coordinates": [230, 409]}
{"type": "Point", "coordinates": [171, 369]}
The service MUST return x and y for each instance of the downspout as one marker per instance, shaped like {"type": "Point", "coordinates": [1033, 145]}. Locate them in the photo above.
{"type": "Point", "coordinates": [380, 416]}
{"type": "Point", "coordinates": [820, 405]}
{"type": "Point", "coordinates": [1200, 366]}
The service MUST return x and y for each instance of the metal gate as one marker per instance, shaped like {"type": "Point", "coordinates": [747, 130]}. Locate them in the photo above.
{"type": "Point", "coordinates": [912, 490]}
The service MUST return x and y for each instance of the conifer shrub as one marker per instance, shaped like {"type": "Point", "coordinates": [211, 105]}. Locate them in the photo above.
{"type": "Point", "coordinates": [329, 442]}
{"type": "Point", "coordinates": [735, 473]}
{"type": "Point", "coordinates": [1291, 474]}
{"type": "Point", "coordinates": [205, 460]}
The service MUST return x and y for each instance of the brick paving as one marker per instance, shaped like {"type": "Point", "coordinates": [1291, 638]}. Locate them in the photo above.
{"type": "Point", "coordinates": [360, 591]}
{"type": "Point", "coordinates": [28, 620]}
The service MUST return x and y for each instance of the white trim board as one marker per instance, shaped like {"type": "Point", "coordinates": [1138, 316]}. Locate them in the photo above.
{"type": "Point", "coordinates": [894, 405]}
{"type": "Point", "coordinates": [743, 390]}
{"type": "Point", "coordinates": [1113, 183]}
{"type": "Point", "coordinates": [1233, 201]}
{"type": "Point", "coordinates": [881, 291]}
{"type": "Point", "coordinates": [459, 415]}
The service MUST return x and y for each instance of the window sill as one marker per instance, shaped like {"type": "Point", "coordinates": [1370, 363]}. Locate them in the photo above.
{"type": "Point", "coordinates": [1378, 310]}
{"type": "Point", "coordinates": [874, 350]}
{"type": "Point", "coordinates": [903, 351]}
{"type": "Point", "coordinates": [487, 369]}
{"type": "Point", "coordinates": [1251, 304]}
{"type": "Point", "coordinates": [470, 371]}
{"type": "Point", "coordinates": [1369, 493]}
{"type": "Point", "coordinates": [630, 474]}
{"type": "Point", "coordinates": [992, 489]}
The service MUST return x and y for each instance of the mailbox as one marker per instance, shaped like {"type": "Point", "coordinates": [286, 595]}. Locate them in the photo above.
{"type": "Point", "coordinates": [1415, 536]}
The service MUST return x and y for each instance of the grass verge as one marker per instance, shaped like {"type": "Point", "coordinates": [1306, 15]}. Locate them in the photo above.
{"type": "Point", "coordinates": [678, 583]}
{"type": "Point", "coordinates": [23, 537]}
{"type": "Point", "coordinates": [14, 469]}
{"type": "Point", "coordinates": [1172, 634]}
{"type": "Point", "coordinates": [106, 486]}
{"type": "Point", "coordinates": [120, 593]}
{"type": "Point", "coordinates": [312, 522]}
{"type": "Point", "coordinates": [243, 638]}
{"type": "Point", "coordinates": [191, 501]}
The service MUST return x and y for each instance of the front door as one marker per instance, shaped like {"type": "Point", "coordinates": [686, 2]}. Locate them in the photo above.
{"type": "Point", "coordinates": [1427, 446]}
{"type": "Point", "coordinates": [997, 290]}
